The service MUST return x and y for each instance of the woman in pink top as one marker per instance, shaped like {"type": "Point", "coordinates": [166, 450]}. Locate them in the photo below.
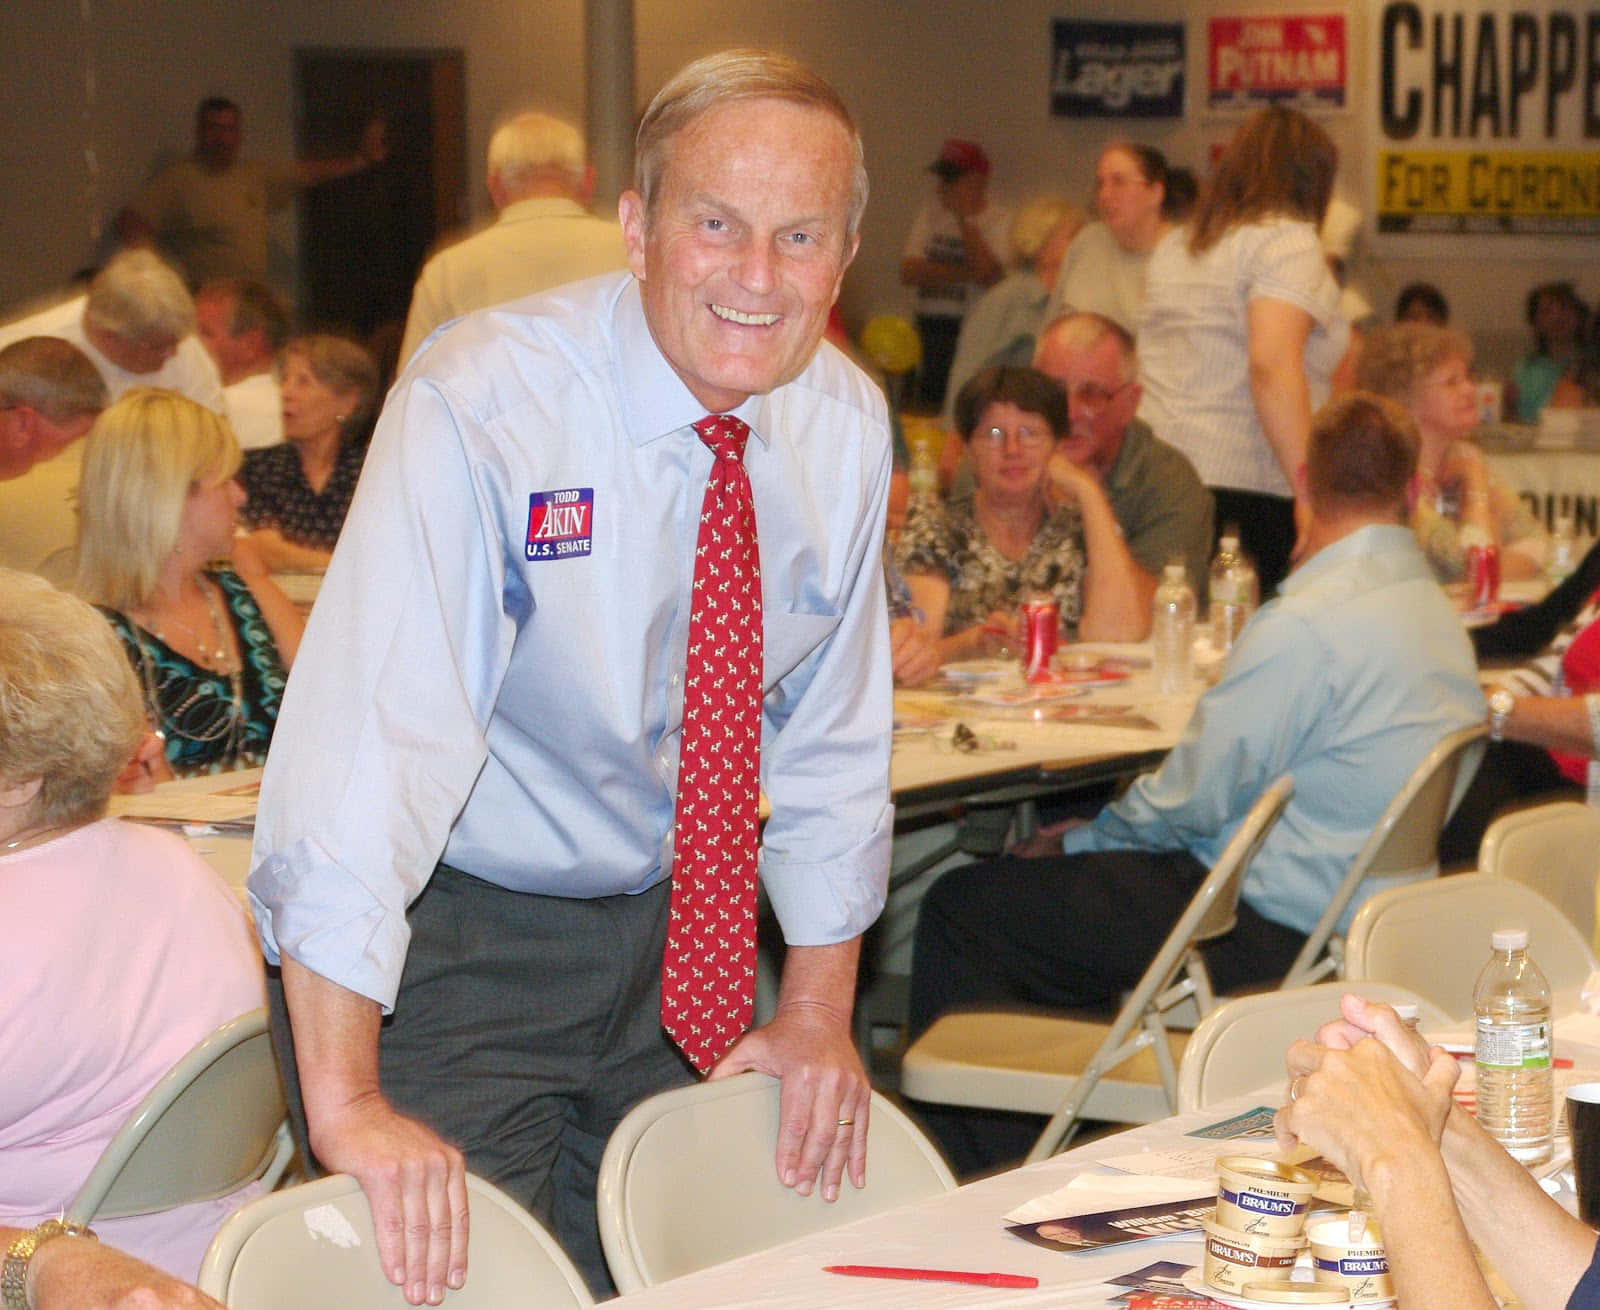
{"type": "Point", "coordinates": [126, 948]}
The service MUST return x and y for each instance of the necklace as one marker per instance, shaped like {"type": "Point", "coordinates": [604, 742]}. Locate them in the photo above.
{"type": "Point", "coordinates": [216, 656]}
{"type": "Point", "coordinates": [191, 711]}
{"type": "Point", "coordinates": [36, 838]}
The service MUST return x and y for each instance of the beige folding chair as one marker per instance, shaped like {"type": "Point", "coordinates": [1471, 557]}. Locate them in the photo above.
{"type": "Point", "coordinates": [687, 1179]}
{"type": "Point", "coordinates": [1049, 1064]}
{"type": "Point", "coordinates": [1404, 844]}
{"type": "Point", "coordinates": [311, 1247]}
{"type": "Point", "coordinates": [1433, 937]}
{"type": "Point", "coordinates": [212, 1124]}
{"type": "Point", "coordinates": [1240, 1045]}
{"type": "Point", "coordinates": [1555, 849]}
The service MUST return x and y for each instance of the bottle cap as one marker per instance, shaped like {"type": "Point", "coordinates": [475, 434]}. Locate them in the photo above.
{"type": "Point", "coordinates": [1229, 544]}
{"type": "Point", "coordinates": [1175, 571]}
{"type": "Point", "coordinates": [1509, 939]}
{"type": "Point", "coordinates": [1406, 1011]}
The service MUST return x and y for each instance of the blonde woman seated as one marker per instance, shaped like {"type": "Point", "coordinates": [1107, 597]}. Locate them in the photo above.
{"type": "Point", "coordinates": [300, 490]}
{"type": "Point", "coordinates": [1460, 503]}
{"type": "Point", "coordinates": [125, 948]}
{"type": "Point", "coordinates": [210, 641]}
{"type": "Point", "coordinates": [1034, 525]}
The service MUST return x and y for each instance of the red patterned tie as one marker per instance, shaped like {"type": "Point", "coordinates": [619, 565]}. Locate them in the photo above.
{"type": "Point", "coordinates": [708, 973]}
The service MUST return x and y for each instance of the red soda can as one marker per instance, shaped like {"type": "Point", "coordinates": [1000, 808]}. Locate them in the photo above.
{"type": "Point", "coordinates": [1483, 575]}
{"type": "Point", "coordinates": [1041, 627]}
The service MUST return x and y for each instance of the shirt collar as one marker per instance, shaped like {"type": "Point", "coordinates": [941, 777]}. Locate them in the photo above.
{"type": "Point", "coordinates": [654, 399]}
{"type": "Point", "coordinates": [1372, 540]}
{"type": "Point", "coordinates": [543, 207]}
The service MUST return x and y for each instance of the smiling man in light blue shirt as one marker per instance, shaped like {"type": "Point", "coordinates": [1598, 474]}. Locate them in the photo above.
{"type": "Point", "coordinates": [493, 683]}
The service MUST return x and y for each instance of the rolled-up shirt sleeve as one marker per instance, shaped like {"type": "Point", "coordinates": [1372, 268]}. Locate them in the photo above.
{"type": "Point", "coordinates": [382, 732]}
{"type": "Point", "coordinates": [825, 760]}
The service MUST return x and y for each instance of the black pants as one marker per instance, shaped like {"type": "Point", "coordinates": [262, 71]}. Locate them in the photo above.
{"type": "Point", "coordinates": [1266, 531]}
{"type": "Point", "coordinates": [1067, 931]}
{"type": "Point", "coordinates": [525, 1028]}
{"type": "Point", "coordinates": [1512, 774]}
{"type": "Point", "coordinates": [938, 333]}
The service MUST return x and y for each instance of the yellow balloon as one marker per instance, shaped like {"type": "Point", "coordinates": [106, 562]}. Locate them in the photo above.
{"type": "Point", "coordinates": [892, 343]}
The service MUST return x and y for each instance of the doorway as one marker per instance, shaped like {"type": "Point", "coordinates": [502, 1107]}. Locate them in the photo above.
{"type": "Point", "coordinates": [363, 238]}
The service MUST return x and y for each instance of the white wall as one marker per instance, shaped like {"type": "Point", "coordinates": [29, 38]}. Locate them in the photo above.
{"type": "Point", "coordinates": [915, 71]}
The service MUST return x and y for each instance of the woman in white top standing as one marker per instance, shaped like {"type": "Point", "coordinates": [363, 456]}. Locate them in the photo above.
{"type": "Point", "coordinates": [1137, 199]}
{"type": "Point", "coordinates": [1240, 329]}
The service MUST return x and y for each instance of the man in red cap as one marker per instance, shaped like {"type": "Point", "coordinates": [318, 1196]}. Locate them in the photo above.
{"type": "Point", "coordinates": [957, 247]}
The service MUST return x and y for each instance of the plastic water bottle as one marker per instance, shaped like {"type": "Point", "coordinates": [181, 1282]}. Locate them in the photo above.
{"type": "Point", "coordinates": [1563, 556]}
{"type": "Point", "coordinates": [1173, 632]}
{"type": "Point", "coordinates": [1515, 1082]}
{"type": "Point", "coordinates": [1233, 593]}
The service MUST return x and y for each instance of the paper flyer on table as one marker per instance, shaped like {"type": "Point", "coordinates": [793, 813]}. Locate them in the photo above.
{"type": "Point", "coordinates": [1089, 1194]}
{"type": "Point", "coordinates": [1124, 1223]}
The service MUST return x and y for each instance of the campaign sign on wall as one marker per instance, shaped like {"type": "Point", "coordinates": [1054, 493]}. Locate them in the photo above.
{"type": "Point", "coordinates": [1299, 60]}
{"type": "Point", "coordinates": [1116, 70]}
{"type": "Point", "coordinates": [1489, 118]}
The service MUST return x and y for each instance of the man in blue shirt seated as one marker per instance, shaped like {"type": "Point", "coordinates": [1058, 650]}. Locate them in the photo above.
{"type": "Point", "coordinates": [1345, 681]}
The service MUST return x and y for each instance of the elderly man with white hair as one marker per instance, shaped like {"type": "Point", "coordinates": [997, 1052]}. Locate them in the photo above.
{"type": "Point", "coordinates": [542, 183]}
{"type": "Point", "coordinates": [136, 325]}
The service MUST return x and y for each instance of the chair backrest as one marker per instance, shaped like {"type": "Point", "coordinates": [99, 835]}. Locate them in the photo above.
{"type": "Point", "coordinates": [1433, 937]}
{"type": "Point", "coordinates": [687, 1179]}
{"type": "Point", "coordinates": [1211, 910]}
{"type": "Point", "coordinates": [1240, 1045]}
{"type": "Point", "coordinates": [311, 1247]}
{"type": "Point", "coordinates": [211, 1125]}
{"type": "Point", "coordinates": [1555, 849]}
{"type": "Point", "coordinates": [1403, 844]}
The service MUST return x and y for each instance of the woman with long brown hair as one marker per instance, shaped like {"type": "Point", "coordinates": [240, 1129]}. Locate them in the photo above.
{"type": "Point", "coordinates": [1240, 329]}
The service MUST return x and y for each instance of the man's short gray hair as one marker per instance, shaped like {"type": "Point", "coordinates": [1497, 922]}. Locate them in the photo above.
{"type": "Point", "coordinates": [533, 144]}
{"type": "Point", "coordinates": [51, 376]}
{"type": "Point", "coordinates": [724, 78]}
{"type": "Point", "coordinates": [256, 308]}
{"type": "Point", "coordinates": [140, 298]}
{"type": "Point", "coordinates": [1083, 330]}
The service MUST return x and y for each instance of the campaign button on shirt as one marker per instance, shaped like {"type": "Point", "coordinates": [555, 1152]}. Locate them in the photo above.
{"type": "Point", "coordinates": [560, 523]}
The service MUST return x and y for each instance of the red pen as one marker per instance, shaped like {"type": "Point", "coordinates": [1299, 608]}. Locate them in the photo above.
{"type": "Point", "coordinates": [934, 1275]}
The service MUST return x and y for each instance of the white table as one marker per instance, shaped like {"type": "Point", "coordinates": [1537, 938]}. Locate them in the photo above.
{"type": "Point", "coordinates": [189, 801]}
{"type": "Point", "coordinates": [963, 1229]}
{"type": "Point", "coordinates": [1044, 755]}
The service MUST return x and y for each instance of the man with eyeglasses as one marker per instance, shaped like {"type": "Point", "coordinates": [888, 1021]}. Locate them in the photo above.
{"type": "Point", "coordinates": [1162, 507]}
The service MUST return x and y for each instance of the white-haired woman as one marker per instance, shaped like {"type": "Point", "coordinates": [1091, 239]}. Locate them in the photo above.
{"type": "Point", "coordinates": [1460, 501]}
{"type": "Point", "coordinates": [126, 948]}
{"type": "Point", "coordinates": [300, 491]}
{"type": "Point", "coordinates": [211, 642]}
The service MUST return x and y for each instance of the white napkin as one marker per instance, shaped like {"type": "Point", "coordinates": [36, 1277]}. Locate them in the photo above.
{"type": "Point", "coordinates": [1092, 1193]}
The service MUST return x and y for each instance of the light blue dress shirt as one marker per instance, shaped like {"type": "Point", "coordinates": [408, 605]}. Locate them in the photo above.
{"type": "Point", "coordinates": [520, 717]}
{"type": "Point", "coordinates": [1345, 681]}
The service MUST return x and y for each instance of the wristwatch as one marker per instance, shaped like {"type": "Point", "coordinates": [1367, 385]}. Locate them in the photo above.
{"type": "Point", "coordinates": [14, 1273]}
{"type": "Point", "coordinates": [1501, 702]}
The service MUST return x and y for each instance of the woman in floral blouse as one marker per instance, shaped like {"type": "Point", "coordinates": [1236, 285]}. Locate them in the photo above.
{"type": "Point", "coordinates": [1035, 525]}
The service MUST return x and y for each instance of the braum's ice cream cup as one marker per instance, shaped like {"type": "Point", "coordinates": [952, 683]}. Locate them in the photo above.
{"type": "Point", "coordinates": [1262, 1196]}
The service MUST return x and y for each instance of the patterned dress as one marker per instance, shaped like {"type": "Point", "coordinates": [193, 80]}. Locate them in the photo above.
{"type": "Point", "coordinates": [194, 706]}
{"type": "Point", "coordinates": [280, 497]}
{"type": "Point", "coordinates": [945, 539]}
